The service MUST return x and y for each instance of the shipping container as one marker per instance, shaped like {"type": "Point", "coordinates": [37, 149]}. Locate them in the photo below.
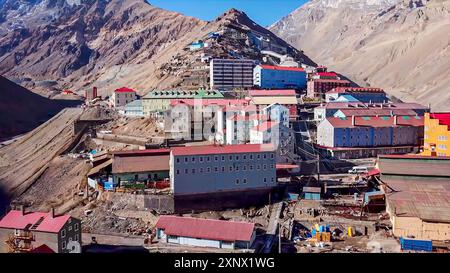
{"type": "Point", "coordinates": [416, 245]}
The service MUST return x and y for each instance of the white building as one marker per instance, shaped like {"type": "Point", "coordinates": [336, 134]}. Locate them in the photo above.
{"type": "Point", "coordinates": [211, 169]}
{"type": "Point", "coordinates": [277, 112]}
{"type": "Point", "coordinates": [228, 74]}
{"type": "Point", "coordinates": [122, 97]}
{"type": "Point", "coordinates": [205, 232]}
{"type": "Point", "coordinates": [238, 127]}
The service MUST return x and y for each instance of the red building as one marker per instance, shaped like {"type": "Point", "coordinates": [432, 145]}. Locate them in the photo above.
{"type": "Point", "coordinates": [316, 88]}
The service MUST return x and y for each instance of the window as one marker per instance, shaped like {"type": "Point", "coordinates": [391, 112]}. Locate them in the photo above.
{"type": "Point", "coordinates": [201, 159]}
{"type": "Point", "coordinates": [265, 180]}
{"type": "Point", "coordinates": [186, 171]}
{"type": "Point", "coordinates": [244, 157]}
{"type": "Point", "coordinates": [273, 179]}
{"type": "Point", "coordinates": [245, 181]}
{"type": "Point", "coordinates": [208, 159]}
{"type": "Point", "coordinates": [178, 160]}
{"type": "Point", "coordinates": [230, 157]}
{"type": "Point", "coordinates": [77, 237]}
{"type": "Point", "coordinates": [265, 156]}
{"type": "Point", "coordinates": [185, 159]}
{"type": "Point", "coordinates": [237, 157]}
{"type": "Point", "coordinates": [208, 170]}
{"type": "Point", "coordinates": [193, 159]}
{"type": "Point", "coordinates": [63, 233]}
{"type": "Point", "coordinates": [70, 228]}
{"type": "Point", "coordinates": [76, 227]}
{"type": "Point", "coordinates": [237, 181]}
{"type": "Point", "coordinates": [271, 156]}
{"type": "Point", "coordinates": [251, 157]}
{"type": "Point", "coordinates": [237, 168]}
{"type": "Point", "coordinates": [178, 171]}
{"type": "Point", "coordinates": [251, 167]}
{"type": "Point", "coordinates": [216, 158]}
{"type": "Point", "coordinates": [264, 167]}
{"type": "Point", "coordinates": [201, 170]}
{"type": "Point", "coordinates": [193, 170]}
{"type": "Point", "coordinates": [223, 158]}
{"type": "Point", "coordinates": [258, 167]}
{"type": "Point", "coordinates": [216, 169]}
{"type": "Point", "coordinates": [223, 169]}
{"type": "Point", "coordinates": [63, 245]}
{"type": "Point", "coordinates": [231, 168]}
{"type": "Point", "coordinates": [244, 168]}
{"type": "Point", "coordinates": [258, 156]}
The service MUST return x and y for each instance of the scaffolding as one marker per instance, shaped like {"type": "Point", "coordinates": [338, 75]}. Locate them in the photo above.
{"type": "Point", "coordinates": [20, 242]}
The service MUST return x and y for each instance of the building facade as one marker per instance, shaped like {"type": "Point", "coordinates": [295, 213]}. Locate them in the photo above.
{"type": "Point", "coordinates": [370, 131]}
{"type": "Point", "coordinates": [316, 88]}
{"type": "Point", "coordinates": [134, 109]}
{"type": "Point", "coordinates": [286, 98]}
{"type": "Point", "coordinates": [122, 97]}
{"type": "Point", "coordinates": [159, 101]}
{"type": "Point", "coordinates": [211, 169]}
{"type": "Point", "coordinates": [361, 94]}
{"type": "Point", "coordinates": [437, 134]}
{"type": "Point", "coordinates": [279, 77]}
{"type": "Point", "coordinates": [22, 232]}
{"type": "Point", "coordinates": [229, 74]}
{"type": "Point", "coordinates": [205, 232]}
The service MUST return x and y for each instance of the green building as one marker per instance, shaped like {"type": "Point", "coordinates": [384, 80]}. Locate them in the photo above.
{"type": "Point", "coordinates": [159, 101]}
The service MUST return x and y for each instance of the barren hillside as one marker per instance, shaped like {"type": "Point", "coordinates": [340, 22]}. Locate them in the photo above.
{"type": "Point", "coordinates": [51, 45]}
{"type": "Point", "coordinates": [402, 46]}
{"type": "Point", "coordinates": [22, 110]}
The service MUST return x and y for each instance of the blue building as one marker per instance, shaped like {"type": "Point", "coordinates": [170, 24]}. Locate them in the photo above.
{"type": "Point", "coordinates": [312, 193]}
{"type": "Point", "coordinates": [352, 94]}
{"type": "Point", "coordinates": [134, 109]}
{"type": "Point", "coordinates": [279, 77]}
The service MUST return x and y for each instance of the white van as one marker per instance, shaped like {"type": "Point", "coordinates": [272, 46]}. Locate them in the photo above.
{"type": "Point", "coordinates": [359, 170]}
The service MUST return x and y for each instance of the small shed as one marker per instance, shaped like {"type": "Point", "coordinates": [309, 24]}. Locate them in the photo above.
{"type": "Point", "coordinates": [312, 193]}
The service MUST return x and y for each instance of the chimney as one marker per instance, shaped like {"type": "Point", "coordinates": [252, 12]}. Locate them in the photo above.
{"type": "Point", "coordinates": [353, 120]}
{"type": "Point", "coordinates": [52, 212]}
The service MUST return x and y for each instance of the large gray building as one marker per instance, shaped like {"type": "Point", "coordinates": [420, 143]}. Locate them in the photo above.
{"type": "Point", "coordinates": [229, 74]}
{"type": "Point", "coordinates": [217, 169]}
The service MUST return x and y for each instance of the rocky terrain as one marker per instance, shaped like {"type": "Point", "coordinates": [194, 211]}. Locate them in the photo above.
{"type": "Point", "coordinates": [51, 45]}
{"type": "Point", "coordinates": [402, 46]}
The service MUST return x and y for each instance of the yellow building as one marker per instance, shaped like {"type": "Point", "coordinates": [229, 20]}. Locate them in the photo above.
{"type": "Point", "coordinates": [437, 134]}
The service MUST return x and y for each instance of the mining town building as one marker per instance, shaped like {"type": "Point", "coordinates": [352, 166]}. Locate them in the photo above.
{"type": "Point", "coordinates": [437, 134]}
{"type": "Point", "coordinates": [159, 101]}
{"type": "Point", "coordinates": [316, 88]}
{"type": "Point", "coordinates": [135, 169]}
{"type": "Point", "coordinates": [122, 97]}
{"type": "Point", "coordinates": [205, 232]}
{"type": "Point", "coordinates": [417, 192]}
{"type": "Point", "coordinates": [361, 94]}
{"type": "Point", "coordinates": [279, 77]}
{"type": "Point", "coordinates": [229, 74]}
{"type": "Point", "coordinates": [211, 169]}
{"type": "Point", "coordinates": [23, 232]}
{"type": "Point", "coordinates": [287, 98]}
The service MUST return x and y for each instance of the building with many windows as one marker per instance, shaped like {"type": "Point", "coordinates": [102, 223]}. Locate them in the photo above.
{"type": "Point", "coordinates": [316, 88]}
{"type": "Point", "coordinates": [437, 134]}
{"type": "Point", "coordinates": [122, 97]}
{"type": "Point", "coordinates": [205, 232]}
{"type": "Point", "coordinates": [229, 74]}
{"type": "Point", "coordinates": [24, 232]}
{"type": "Point", "coordinates": [232, 168]}
{"type": "Point", "coordinates": [279, 77]}
{"type": "Point", "coordinates": [361, 94]}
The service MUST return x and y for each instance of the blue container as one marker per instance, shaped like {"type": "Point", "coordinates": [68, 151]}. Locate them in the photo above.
{"type": "Point", "coordinates": [313, 232]}
{"type": "Point", "coordinates": [321, 229]}
{"type": "Point", "coordinates": [327, 228]}
{"type": "Point", "coordinates": [416, 245]}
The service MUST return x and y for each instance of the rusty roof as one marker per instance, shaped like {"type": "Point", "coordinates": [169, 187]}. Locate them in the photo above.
{"type": "Point", "coordinates": [140, 163]}
{"type": "Point", "coordinates": [414, 165]}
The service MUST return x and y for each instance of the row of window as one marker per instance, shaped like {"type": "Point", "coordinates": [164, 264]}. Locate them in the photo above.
{"type": "Point", "coordinates": [244, 181]}
{"type": "Point", "coordinates": [63, 232]}
{"type": "Point", "coordinates": [217, 158]}
{"type": "Point", "coordinates": [216, 169]}
{"type": "Point", "coordinates": [77, 238]}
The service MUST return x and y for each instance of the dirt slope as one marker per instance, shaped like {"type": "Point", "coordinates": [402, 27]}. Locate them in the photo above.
{"type": "Point", "coordinates": [402, 46]}
{"type": "Point", "coordinates": [22, 110]}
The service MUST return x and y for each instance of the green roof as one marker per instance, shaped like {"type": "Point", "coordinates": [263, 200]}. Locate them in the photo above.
{"type": "Point", "coordinates": [183, 94]}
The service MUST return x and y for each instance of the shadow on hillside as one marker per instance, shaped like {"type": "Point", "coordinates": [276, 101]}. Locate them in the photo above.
{"type": "Point", "coordinates": [4, 202]}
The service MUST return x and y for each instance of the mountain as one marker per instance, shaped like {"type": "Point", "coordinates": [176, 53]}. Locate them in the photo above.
{"type": "Point", "coordinates": [22, 110]}
{"type": "Point", "coordinates": [402, 46]}
{"type": "Point", "coordinates": [50, 45]}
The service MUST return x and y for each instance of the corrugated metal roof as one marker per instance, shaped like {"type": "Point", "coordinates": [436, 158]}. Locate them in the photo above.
{"type": "Point", "coordinates": [376, 121]}
{"type": "Point", "coordinates": [206, 228]}
{"type": "Point", "coordinates": [414, 165]}
{"type": "Point", "coordinates": [355, 90]}
{"type": "Point", "coordinates": [282, 68]}
{"type": "Point", "coordinates": [124, 90]}
{"type": "Point", "coordinates": [267, 100]}
{"type": "Point", "coordinates": [140, 163]}
{"type": "Point", "coordinates": [15, 219]}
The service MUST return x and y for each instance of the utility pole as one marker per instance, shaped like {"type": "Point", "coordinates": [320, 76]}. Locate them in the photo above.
{"type": "Point", "coordinates": [318, 167]}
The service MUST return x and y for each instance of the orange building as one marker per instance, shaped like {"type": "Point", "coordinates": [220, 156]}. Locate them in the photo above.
{"type": "Point", "coordinates": [437, 134]}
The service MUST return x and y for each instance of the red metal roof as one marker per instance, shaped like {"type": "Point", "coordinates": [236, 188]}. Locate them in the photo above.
{"type": "Point", "coordinates": [206, 228]}
{"type": "Point", "coordinates": [289, 92]}
{"type": "Point", "coordinates": [331, 80]}
{"type": "Point", "coordinates": [416, 156]}
{"type": "Point", "coordinates": [327, 74]}
{"type": "Point", "coordinates": [43, 249]}
{"type": "Point", "coordinates": [444, 118]}
{"type": "Point", "coordinates": [376, 111]}
{"type": "Point", "coordinates": [272, 67]}
{"type": "Point", "coordinates": [355, 90]}
{"type": "Point", "coordinates": [15, 219]}
{"type": "Point", "coordinates": [227, 149]}
{"type": "Point", "coordinates": [124, 90]}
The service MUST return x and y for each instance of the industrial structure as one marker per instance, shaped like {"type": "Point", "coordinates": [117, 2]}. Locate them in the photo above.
{"type": "Point", "coordinates": [229, 74]}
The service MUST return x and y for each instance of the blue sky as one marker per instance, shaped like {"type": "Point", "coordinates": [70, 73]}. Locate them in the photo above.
{"type": "Point", "coordinates": [264, 12]}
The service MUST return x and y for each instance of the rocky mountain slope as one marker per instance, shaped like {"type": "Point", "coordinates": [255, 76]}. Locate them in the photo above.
{"type": "Point", "coordinates": [22, 110]}
{"type": "Point", "coordinates": [402, 46]}
{"type": "Point", "coordinates": [56, 44]}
